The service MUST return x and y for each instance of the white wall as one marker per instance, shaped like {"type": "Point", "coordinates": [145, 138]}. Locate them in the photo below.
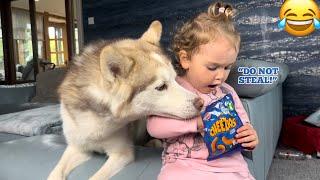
{"type": "Point", "coordinates": [56, 7]}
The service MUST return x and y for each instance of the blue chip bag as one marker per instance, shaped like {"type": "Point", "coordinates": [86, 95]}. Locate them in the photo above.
{"type": "Point", "coordinates": [221, 122]}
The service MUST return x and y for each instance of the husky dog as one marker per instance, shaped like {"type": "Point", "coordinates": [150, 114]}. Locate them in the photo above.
{"type": "Point", "coordinates": [110, 85]}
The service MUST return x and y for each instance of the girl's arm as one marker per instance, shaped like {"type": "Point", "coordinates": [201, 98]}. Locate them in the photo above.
{"type": "Point", "coordinates": [163, 127]}
{"type": "Point", "coordinates": [240, 109]}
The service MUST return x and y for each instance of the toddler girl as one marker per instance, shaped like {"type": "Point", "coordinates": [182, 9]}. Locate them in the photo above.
{"type": "Point", "coordinates": [206, 48]}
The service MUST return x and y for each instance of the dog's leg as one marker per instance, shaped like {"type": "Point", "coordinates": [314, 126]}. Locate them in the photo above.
{"type": "Point", "coordinates": [116, 161]}
{"type": "Point", "coordinates": [71, 158]}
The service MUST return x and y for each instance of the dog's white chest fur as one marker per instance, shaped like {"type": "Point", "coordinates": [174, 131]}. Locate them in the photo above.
{"type": "Point", "coordinates": [90, 130]}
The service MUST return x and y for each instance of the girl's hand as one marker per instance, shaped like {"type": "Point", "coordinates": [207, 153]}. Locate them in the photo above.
{"type": "Point", "coordinates": [247, 137]}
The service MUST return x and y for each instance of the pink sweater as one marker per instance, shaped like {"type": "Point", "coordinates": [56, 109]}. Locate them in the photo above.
{"type": "Point", "coordinates": [182, 141]}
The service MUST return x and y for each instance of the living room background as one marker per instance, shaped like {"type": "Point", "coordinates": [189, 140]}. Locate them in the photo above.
{"type": "Point", "coordinates": [257, 22]}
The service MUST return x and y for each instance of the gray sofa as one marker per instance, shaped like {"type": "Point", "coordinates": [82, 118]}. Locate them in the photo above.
{"type": "Point", "coordinates": [25, 98]}
{"type": "Point", "coordinates": [34, 157]}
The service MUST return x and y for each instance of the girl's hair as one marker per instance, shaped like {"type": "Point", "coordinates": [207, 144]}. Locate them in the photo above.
{"type": "Point", "coordinates": [205, 27]}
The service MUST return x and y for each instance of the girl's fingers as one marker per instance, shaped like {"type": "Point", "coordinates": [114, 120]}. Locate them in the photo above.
{"type": "Point", "coordinates": [244, 127]}
{"type": "Point", "coordinates": [247, 139]}
{"type": "Point", "coordinates": [252, 144]}
{"type": "Point", "coordinates": [245, 133]}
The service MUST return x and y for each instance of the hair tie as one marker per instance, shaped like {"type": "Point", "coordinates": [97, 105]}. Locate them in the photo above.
{"type": "Point", "coordinates": [221, 10]}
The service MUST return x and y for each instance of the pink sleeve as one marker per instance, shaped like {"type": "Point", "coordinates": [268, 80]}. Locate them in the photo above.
{"type": "Point", "coordinates": [163, 127]}
{"type": "Point", "coordinates": [240, 109]}
{"type": "Point", "coordinates": [238, 105]}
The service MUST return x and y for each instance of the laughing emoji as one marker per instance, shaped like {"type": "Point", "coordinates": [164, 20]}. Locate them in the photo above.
{"type": "Point", "coordinates": [299, 17]}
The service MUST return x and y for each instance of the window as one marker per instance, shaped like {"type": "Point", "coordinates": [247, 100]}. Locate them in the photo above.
{"type": "Point", "coordinates": [56, 44]}
{"type": "Point", "coordinates": [40, 36]}
{"type": "Point", "coordinates": [22, 40]}
{"type": "Point", "coordinates": [22, 43]}
{"type": "Point", "coordinates": [17, 46]}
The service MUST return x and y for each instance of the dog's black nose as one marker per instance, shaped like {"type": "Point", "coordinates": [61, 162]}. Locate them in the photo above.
{"type": "Point", "coordinates": [198, 103]}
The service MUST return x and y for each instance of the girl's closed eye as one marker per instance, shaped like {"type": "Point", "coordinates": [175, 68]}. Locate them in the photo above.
{"type": "Point", "coordinates": [212, 68]}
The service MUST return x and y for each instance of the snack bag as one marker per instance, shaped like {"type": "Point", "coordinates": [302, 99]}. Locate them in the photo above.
{"type": "Point", "coordinates": [221, 122]}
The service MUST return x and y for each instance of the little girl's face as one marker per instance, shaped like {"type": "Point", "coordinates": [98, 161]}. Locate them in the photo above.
{"type": "Point", "coordinates": [210, 66]}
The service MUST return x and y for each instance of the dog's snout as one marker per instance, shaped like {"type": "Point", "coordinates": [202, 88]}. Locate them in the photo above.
{"type": "Point", "coordinates": [198, 103]}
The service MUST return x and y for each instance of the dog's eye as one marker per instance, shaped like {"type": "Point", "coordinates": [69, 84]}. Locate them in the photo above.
{"type": "Point", "coordinates": [162, 87]}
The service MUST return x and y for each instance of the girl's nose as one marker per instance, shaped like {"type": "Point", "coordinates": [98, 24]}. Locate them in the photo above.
{"type": "Point", "coordinates": [220, 74]}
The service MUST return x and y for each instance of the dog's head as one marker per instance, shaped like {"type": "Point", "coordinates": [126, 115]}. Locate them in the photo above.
{"type": "Point", "coordinates": [138, 79]}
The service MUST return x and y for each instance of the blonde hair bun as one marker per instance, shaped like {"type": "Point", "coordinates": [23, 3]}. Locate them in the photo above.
{"type": "Point", "coordinates": [221, 9]}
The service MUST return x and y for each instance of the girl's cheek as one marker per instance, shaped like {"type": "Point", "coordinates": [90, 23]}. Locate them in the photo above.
{"type": "Point", "coordinates": [227, 74]}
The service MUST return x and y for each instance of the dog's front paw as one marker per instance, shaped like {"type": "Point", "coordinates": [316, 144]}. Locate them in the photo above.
{"type": "Point", "coordinates": [98, 178]}
{"type": "Point", "coordinates": [56, 176]}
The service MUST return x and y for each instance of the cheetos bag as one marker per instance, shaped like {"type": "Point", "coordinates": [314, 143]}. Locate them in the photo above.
{"type": "Point", "coordinates": [221, 122]}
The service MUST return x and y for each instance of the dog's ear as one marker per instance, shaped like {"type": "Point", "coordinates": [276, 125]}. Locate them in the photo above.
{"type": "Point", "coordinates": [113, 64]}
{"type": "Point", "coordinates": [153, 34]}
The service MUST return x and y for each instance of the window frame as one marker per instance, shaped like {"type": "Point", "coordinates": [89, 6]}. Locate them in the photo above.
{"type": "Point", "coordinates": [64, 42]}
{"type": "Point", "coordinates": [8, 42]}
{"type": "Point", "coordinates": [7, 37]}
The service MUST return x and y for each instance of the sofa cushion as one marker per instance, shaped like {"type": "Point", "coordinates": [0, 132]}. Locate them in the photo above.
{"type": "Point", "coordinates": [11, 108]}
{"type": "Point", "coordinates": [255, 90]}
{"type": "Point", "coordinates": [17, 93]}
{"type": "Point", "coordinates": [43, 120]}
{"type": "Point", "coordinates": [35, 157]}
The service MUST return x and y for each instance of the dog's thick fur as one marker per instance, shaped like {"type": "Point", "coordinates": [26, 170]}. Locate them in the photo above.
{"type": "Point", "coordinates": [109, 86]}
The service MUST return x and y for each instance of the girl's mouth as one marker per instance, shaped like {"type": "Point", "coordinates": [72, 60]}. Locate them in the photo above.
{"type": "Point", "coordinates": [212, 86]}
